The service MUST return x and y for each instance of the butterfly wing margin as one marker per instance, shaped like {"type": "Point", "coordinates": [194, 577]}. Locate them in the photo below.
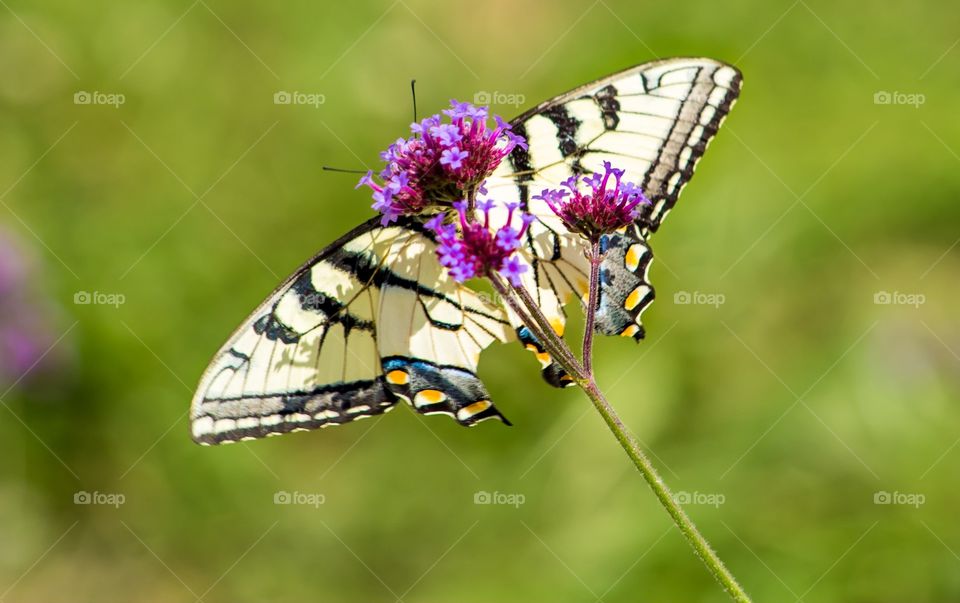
{"type": "Point", "coordinates": [240, 395]}
{"type": "Point", "coordinates": [653, 120]}
{"type": "Point", "coordinates": [312, 354]}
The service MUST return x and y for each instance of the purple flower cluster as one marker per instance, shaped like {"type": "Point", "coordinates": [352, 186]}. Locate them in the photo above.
{"type": "Point", "coordinates": [474, 250]}
{"type": "Point", "coordinates": [23, 334]}
{"type": "Point", "coordinates": [442, 162]}
{"type": "Point", "coordinates": [600, 211]}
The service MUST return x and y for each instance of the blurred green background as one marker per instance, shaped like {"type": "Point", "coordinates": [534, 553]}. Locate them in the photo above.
{"type": "Point", "coordinates": [812, 429]}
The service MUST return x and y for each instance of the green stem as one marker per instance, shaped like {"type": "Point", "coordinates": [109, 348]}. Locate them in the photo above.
{"type": "Point", "coordinates": [591, 311]}
{"type": "Point", "coordinates": [528, 310]}
{"type": "Point", "coordinates": [550, 337]}
{"type": "Point", "coordinates": [553, 345]}
{"type": "Point", "coordinates": [663, 493]}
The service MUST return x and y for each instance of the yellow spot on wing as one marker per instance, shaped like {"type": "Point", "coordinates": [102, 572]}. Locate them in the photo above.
{"type": "Point", "coordinates": [428, 396]}
{"type": "Point", "coordinates": [630, 331]}
{"type": "Point", "coordinates": [557, 325]}
{"type": "Point", "coordinates": [583, 287]}
{"type": "Point", "coordinates": [398, 377]}
{"type": "Point", "coordinates": [633, 257]}
{"type": "Point", "coordinates": [473, 410]}
{"type": "Point", "coordinates": [632, 300]}
{"type": "Point", "coordinates": [544, 358]}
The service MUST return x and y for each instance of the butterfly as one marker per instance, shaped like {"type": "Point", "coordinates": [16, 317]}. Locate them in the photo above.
{"type": "Point", "coordinates": [374, 319]}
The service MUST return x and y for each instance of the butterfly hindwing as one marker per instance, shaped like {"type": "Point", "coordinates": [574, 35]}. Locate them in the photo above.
{"type": "Point", "coordinates": [625, 290]}
{"type": "Point", "coordinates": [653, 121]}
{"type": "Point", "coordinates": [430, 342]}
{"type": "Point", "coordinates": [369, 321]}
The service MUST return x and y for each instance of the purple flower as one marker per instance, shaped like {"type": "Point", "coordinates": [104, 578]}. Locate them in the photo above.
{"type": "Point", "coordinates": [24, 329]}
{"type": "Point", "coordinates": [457, 110]}
{"type": "Point", "coordinates": [447, 134]}
{"type": "Point", "coordinates": [606, 207]}
{"type": "Point", "coordinates": [453, 158]}
{"type": "Point", "coordinates": [512, 269]}
{"type": "Point", "coordinates": [508, 238]}
{"type": "Point", "coordinates": [20, 350]}
{"type": "Point", "coordinates": [486, 206]}
{"type": "Point", "coordinates": [441, 162]}
{"type": "Point", "coordinates": [473, 250]}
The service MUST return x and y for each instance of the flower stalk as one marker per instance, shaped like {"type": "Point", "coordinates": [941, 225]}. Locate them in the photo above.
{"type": "Point", "coordinates": [593, 297]}
{"type": "Point", "coordinates": [660, 489]}
{"type": "Point", "coordinates": [609, 204]}
{"type": "Point", "coordinates": [584, 377]}
{"type": "Point", "coordinates": [439, 172]}
{"type": "Point", "coordinates": [546, 336]}
{"type": "Point", "coordinates": [551, 337]}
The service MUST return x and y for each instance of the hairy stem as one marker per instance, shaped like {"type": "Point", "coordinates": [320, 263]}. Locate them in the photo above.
{"type": "Point", "coordinates": [630, 445]}
{"type": "Point", "coordinates": [663, 494]}
{"type": "Point", "coordinates": [593, 300]}
{"type": "Point", "coordinates": [523, 305]}
{"type": "Point", "coordinates": [548, 338]}
{"type": "Point", "coordinates": [563, 356]}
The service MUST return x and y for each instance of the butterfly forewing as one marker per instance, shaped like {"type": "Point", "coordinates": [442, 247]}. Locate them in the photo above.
{"type": "Point", "coordinates": [653, 121]}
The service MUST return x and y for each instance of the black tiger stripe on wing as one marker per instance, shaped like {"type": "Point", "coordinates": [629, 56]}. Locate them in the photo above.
{"type": "Point", "coordinates": [324, 348]}
{"type": "Point", "coordinates": [654, 121]}
{"type": "Point", "coordinates": [710, 95]}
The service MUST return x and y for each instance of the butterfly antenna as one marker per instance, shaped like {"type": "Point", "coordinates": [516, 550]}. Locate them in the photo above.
{"type": "Point", "coordinates": [413, 92]}
{"type": "Point", "coordinates": [327, 168]}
